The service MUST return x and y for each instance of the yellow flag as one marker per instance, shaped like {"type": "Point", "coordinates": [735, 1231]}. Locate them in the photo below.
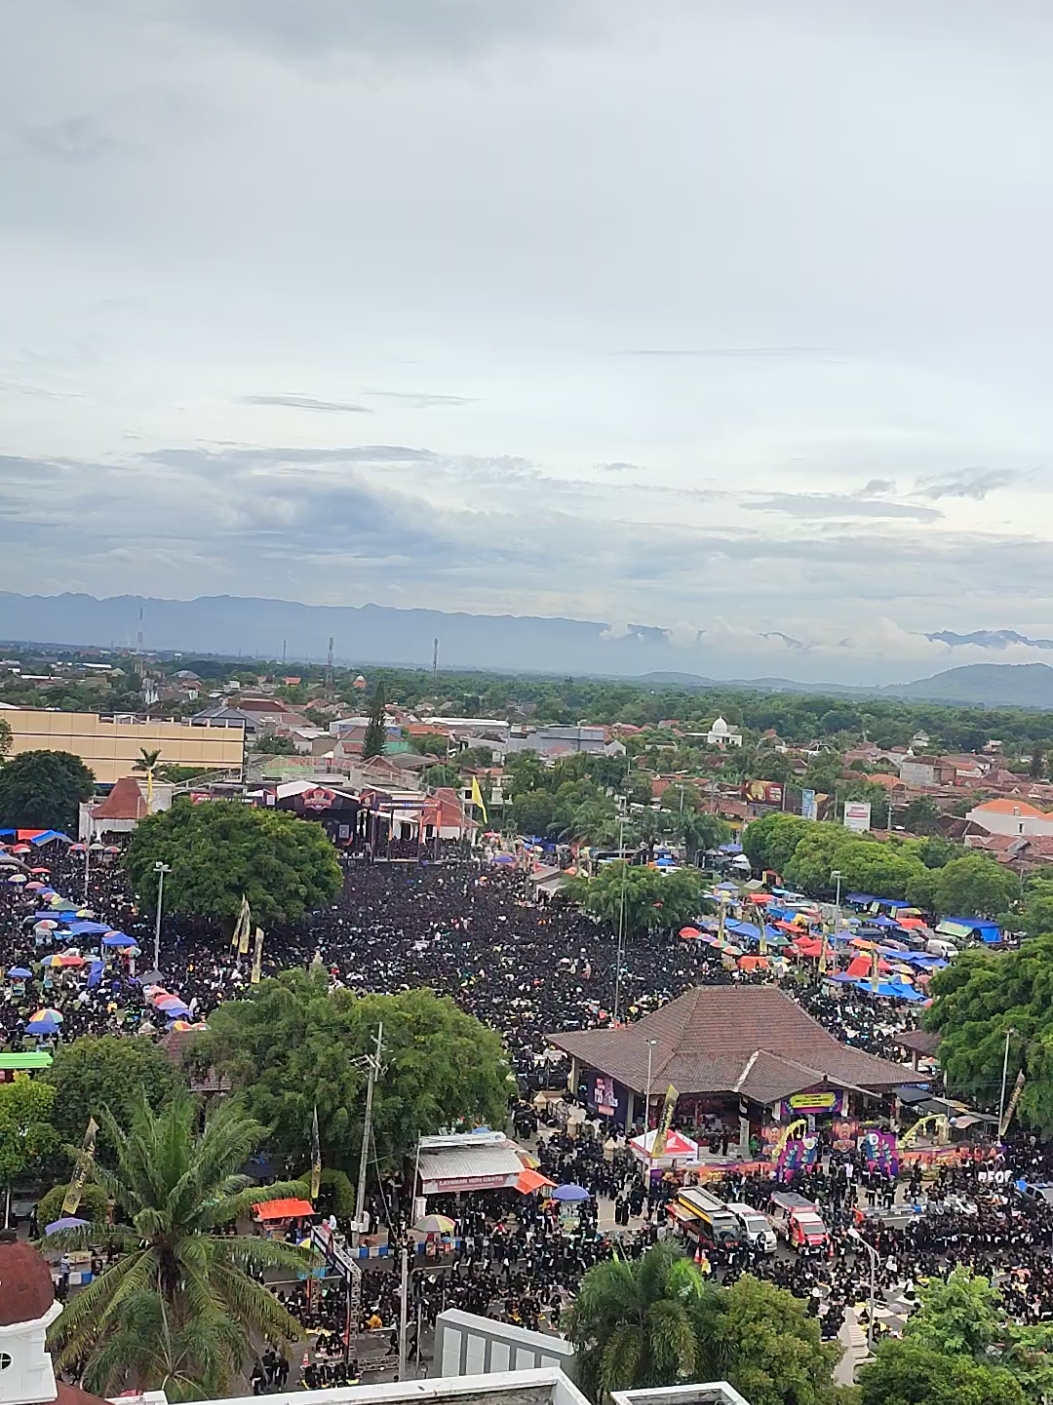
{"type": "Point", "coordinates": [243, 931]}
{"type": "Point", "coordinates": [257, 958]}
{"type": "Point", "coordinates": [477, 799]}
{"type": "Point", "coordinates": [668, 1108]}
{"type": "Point", "coordinates": [71, 1201]}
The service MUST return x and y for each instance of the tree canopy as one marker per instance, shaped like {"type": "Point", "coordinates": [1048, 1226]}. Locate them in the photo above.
{"type": "Point", "coordinates": [978, 999]}
{"type": "Point", "coordinates": [375, 740]}
{"type": "Point", "coordinates": [222, 850]}
{"type": "Point", "coordinates": [657, 1321]}
{"type": "Point", "coordinates": [95, 1072]}
{"type": "Point", "coordinates": [960, 1347]}
{"type": "Point", "coordinates": [181, 1309]}
{"type": "Point", "coordinates": [653, 901]}
{"type": "Point", "coordinates": [291, 1045]}
{"type": "Point", "coordinates": [27, 1132]}
{"type": "Point", "coordinates": [44, 790]}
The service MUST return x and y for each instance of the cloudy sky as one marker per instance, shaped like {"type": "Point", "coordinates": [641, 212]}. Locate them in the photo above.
{"type": "Point", "coordinates": [732, 318]}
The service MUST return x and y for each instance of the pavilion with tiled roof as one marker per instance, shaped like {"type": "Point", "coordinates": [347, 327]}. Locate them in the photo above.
{"type": "Point", "coordinates": [722, 1046]}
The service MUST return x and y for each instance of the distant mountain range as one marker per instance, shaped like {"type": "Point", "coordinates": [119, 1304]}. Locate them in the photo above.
{"type": "Point", "coordinates": [987, 639]}
{"type": "Point", "coordinates": [233, 626]}
{"type": "Point", "coordinates": [972, 685]}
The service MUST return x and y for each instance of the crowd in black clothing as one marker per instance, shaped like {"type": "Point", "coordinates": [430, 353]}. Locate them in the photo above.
{"type": "Point", "coordinates": [469, 929]}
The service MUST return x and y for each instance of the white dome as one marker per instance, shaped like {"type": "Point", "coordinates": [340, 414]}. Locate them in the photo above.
{"type": "Point", "coordinates": [719, 725]}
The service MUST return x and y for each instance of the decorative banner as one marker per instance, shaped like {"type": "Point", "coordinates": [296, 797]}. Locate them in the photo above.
{"type": "Point", "coordinates": [668, 1108]}
{"type": "Point", "coordinates": [824, 953]}
{"type": "Point", "coordinates": [857, 815]}
{"type": "Point", "coordinates": [604, 1096]}
{"type": "Point", "coordinates": [71, 1201]}
{"type": "Point", "coordinates": [241, 927]}
{"type": "Point", "coordinates": [1007, 1116]}
{"type": "Point", "coordinates": [257, 958]}
{"type": "Point", "coordinates": [875, 970]}
{"type": "Point", "coordinates": [880, 1152]}
{"type": "Point", "coordinates": [798, 1154]}
{"type": "Point", "coordinates": [763, 792]}
{"type": "Point", "coordinates": [809, 806]}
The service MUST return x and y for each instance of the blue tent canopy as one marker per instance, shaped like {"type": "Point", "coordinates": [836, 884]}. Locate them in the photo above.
{"type": "Point", "coordinates": [48, 835]}
{"type": "Point", "coordinates": [86, 929]}
{"type": "Point", "coordinates": [988, 931]}
{"type": "Point", "coordinates": [746, 930]}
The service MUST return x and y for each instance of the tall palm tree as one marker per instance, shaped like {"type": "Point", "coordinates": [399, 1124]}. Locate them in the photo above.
{"type": "Point", "coordinates": [147, 764]}
{"type": "Point", "coordinates": [180, 1310]}
{"type": "Point", "coordinates": [635, 1322]}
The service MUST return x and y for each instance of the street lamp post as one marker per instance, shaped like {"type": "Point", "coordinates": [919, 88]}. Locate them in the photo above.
{"type": "Point", "coordinates": [647, 1108]}
{"type": "Point", "coordinates": [160, 869]}
{"type": "Point", "coordinates": [855, 1234]}
{"type": "Point", "coordinates": [620, 956]}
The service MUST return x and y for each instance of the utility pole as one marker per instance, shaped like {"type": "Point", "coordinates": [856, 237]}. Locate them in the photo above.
{"type": "Point", "coordinates": [367, 1131]}
{"type": "Point", "coordinates": [87, 857]}
{"type": "Point", "coordinates": [434, 657]}
{"type": "Point", "coordinates": [403, 1309]}
{"type": "Point", "coordinates": [620, 957]}
{"type": "Point", "coordinates": [329, 670]}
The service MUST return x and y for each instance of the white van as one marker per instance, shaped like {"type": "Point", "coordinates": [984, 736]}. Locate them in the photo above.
{"type": "Point", "coordinates": [940, 946]}
{"type": "Point", "coordinates": [756, 1228]}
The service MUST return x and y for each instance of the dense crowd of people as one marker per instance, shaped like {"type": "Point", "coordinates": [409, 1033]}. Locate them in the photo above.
{"type": "Point", "coordinates": [469, 929]}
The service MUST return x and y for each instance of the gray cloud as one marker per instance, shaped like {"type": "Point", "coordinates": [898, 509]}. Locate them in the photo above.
{"type": "Point", "coordinates": [973, 483]}
{"type": "Point", "coordinates": [422, 401]}
{"type": "Point", "coordinates": [306, 402]}
{"type": "Point", "coordinates": [72, 141]}
{"type": "Point", "coordinates": [813, 505]}
{"type": "Point", "coordinates": [391, 28]}
{"type": "Point", "coordinates": [877, 486]}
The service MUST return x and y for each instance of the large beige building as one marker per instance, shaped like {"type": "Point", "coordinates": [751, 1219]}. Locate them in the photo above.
{"type": "Point", "coordinates": [111, 745]}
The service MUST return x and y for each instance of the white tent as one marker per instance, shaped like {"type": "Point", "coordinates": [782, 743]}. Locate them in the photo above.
{"type": "Point", "coordinates": [679, 1150]}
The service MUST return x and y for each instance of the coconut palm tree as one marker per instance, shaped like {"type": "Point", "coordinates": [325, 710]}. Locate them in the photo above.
{"type": "Point", "coordinates": [180, 1310]}
{"type": "Point", "coordinates": [635, 1322]}
{"type": "Point", "coordinates": [147, 765]}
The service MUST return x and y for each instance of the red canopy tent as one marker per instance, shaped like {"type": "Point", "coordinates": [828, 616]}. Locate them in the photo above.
{"type": "Point", "coordinates": [282, 1209]}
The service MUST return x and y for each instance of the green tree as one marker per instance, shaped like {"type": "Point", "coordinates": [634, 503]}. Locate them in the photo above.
{"type": "Point", "coordinates": [770, 842]}
{"type": "Point", "coordinates": [221, 850]}
{"type": "Point", "coordinates": [921, 816]}
{"type": "Point", "coordinates": [434, 744]}
{"type": "Point", "coordinates": [906, 1373]}
{"type": "Point", "coordinates": [441, 777]}
{"type": "Point", "coordinates": [6, 740]}
{"type": "Point", "coordinates": [182, 1308]}
{"type": "Point", "coordinates": [532, 812]}
{"type": "Point", "coordinates": [376, 730]}
{"type": "Point", "coordinates": [44, 790]}
{"type": "Point", "coordinates": [975, 886]}
{"type": "Point", "coordinates": [275, 746]}
{"type": "Point", "coordinates": [656, 1321]}
{"type": "Point", "coordinates": [27, 1132]}
{"type": "Point", "coordinates": [763, 1342]}
{"type": "Point", "coordinates": [653, 902]}
{"type": "Point", "coordinates": [698, 832]}
{"type": "Point", "coordinates": [960, 1337]}
{"type": "Point", "coordinates": [106, 1071]}
{"type": "Point", "coordinates": [147, 766]}
{"type": "Point", "coordinates": [93, 1207]}
{"type": "Point", "coordinates": [291, 1045]}
{"type": "Point", "coordinates": [979, 998]}
{"type": "Point", "coordinates": [633, 1322]}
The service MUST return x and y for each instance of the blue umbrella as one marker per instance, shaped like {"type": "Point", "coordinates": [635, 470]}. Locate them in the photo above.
{"type": "Point", "coordinates": [118, 939]}
{"type": "Point", "coordinates": [67, 1222]}
{"type": "Point", "coordinates": [571, 1193]}
{"type": "Point", "coordinates": [44, 1026]}
{"type": "Point", "coordinates": [19, 973]}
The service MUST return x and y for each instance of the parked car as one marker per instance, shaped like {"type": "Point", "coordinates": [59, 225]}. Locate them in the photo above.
{"type": "Point", "coordinates": [756, 1227]}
